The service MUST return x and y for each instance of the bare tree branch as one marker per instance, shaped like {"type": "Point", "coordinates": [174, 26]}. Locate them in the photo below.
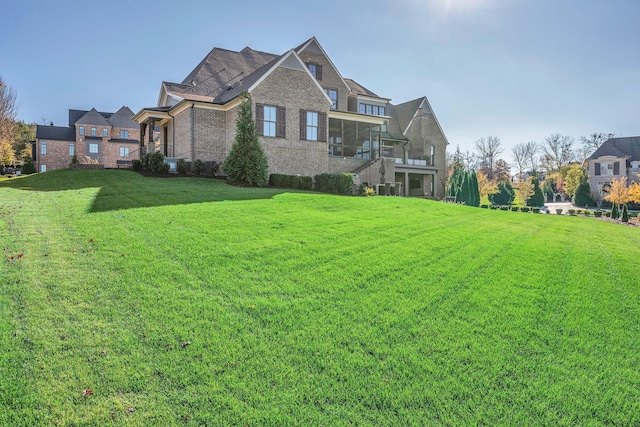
{"type": "Point", "coordinates": [487, 151]}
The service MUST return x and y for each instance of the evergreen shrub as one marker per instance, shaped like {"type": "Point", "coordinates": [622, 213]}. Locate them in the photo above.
{"type": "Point", "coordinates": [28, 167]}
{"type": "Point", "coordinates": [338, 183]}
{"type": "Point", "coordinates": [291, 181]}
{"type": "Point", "coordinates": [625, 214]}
{"type": "Point", "coordinates": [181, 166]}
{"type": "Point", "coordinates": [198, 167]}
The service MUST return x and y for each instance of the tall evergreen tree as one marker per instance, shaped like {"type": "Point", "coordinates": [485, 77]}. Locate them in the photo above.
{"type": "Point", "coordinates": [582, 195]}
{"type": "Point", "coordinates": [505, 194]}
{"type": "Point", "coordinates": [246, 164]}
{"type": "Point", "coordinates": [475, 189]}
{"type": "Point", "coordinates": [536, 199]}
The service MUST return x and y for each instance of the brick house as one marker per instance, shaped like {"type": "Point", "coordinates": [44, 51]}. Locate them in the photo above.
{"type": "Point", "coordinates": [616, 158]}
{"type": "Point", "coordinates": [101, 137]}
{"type": "Point", "coordinates": [309, 118]}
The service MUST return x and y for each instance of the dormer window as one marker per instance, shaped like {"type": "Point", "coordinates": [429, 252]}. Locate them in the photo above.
{"type": "Point", "coordinates": [371, 110]}
{"type": "Point", "coordinates": [315, 69]}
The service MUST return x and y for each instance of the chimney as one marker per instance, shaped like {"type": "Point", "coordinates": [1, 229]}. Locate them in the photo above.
{"type": "Point", "coordinates": [50, 123]}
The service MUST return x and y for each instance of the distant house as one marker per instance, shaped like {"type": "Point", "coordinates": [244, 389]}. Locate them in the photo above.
{"type": "Point", "coordinates": [102, 137]}
{"type": "Point", "coordinates": [616, 158]}
{"type": "Point", "coordinates": [310, 119]}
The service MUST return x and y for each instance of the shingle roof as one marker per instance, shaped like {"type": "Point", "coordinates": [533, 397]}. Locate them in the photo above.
{"type": "Point", "coordinates": [619, 147]}
{"type": "Point", "coordinates": [358, 89]}
{"type": "Point", "coordinates": [246, 83]}
{"type": "Point", "coordinates": [75, 115]}
{"type": "Point", "coordinates": [393, 126]}
{"type": "Point", "coordinates": [58, 133]}
{"type": "Point", "coordinates": [93, 117]}
{"type": "Point", "coordinates": [122, 119]}
{"type": "Point", "coordinates": [406, 111]}
{"type": "Point", "coordinates": [220, 70]}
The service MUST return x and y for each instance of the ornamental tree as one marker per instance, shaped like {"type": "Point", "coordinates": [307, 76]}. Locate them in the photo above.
{"type": "Point", "coordinates": [619, 192]}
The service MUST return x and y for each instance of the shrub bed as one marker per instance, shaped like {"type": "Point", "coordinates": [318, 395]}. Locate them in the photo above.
{"type": "Point", "coordinates": [290, 181]}
{"type": "Point", "coordinates": [338, 183]}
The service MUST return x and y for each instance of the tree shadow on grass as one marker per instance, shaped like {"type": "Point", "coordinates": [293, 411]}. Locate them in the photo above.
{"type": "Point", "coordinates": [119, 189]}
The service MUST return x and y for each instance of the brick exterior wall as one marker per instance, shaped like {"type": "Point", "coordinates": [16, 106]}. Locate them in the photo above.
{"type": "Point", "coordinates": [57, 156]}
{"type": "Point", "coordinates": [294, 90]}
{"type": "Point", "coordinates": [330, 79]}
{"type": "Point", "coordinates": [182, 143]}
{"type": "Point", "coordinates": [340, 164]}
{"type": "Point", "coordinates": [209, 135]}
{"type": "Point", "coordinates": [424, 128]}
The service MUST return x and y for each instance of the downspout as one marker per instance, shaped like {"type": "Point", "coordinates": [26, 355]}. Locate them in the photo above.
{"type": "Point", "coordinates": [173, 134]}
{"type": "Point", "coordinates": [193, 139]}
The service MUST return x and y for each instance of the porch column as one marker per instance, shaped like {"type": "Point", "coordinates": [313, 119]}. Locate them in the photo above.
{"type": "Point", "coordinates": [152, 126]}
{"type": "Point", "coordinates": [406, 183]}
{"type": "Point", "coordinates": [143, 127]}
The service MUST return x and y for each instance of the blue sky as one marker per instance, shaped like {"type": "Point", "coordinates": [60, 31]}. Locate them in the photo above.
{"type": "Point", "coordinates": [516, 69]}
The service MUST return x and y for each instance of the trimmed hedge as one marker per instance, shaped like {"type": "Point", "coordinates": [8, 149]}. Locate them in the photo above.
{"type": "Point", "coordinates": [535, 210]}
{"type": "Point", "coordinates": [514, 209]}
{"type": "Point", "coordinates": [484, 206]}
{"type": "Point", "coordinates": [525, 209]}
{"type": "Point", "coordinates": [338, 183]}
{"type": "Point", "coordinates": [294, 182]}
{"type": "Point", "coordinates": [558, 211]}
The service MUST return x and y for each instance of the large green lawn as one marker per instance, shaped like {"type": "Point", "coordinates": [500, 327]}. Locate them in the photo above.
{"type": "Point", "coordinates": [188, 301]}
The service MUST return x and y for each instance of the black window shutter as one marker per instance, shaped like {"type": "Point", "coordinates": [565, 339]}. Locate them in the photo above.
{"type": "Point", "coordinates": [303, 125]}
{"type": "Point", "coordinates": [322, 127]}
{"type": "Point", "coordinates": [281, 122]}
{"type": "Point", "coordinates": [260, 119]}
{"type": "Point", "coordinates": [597, 165]}
{"type": "Point", "coordinates": [616, 168]}
{"type": "Point", "coordinates": [319, 72]}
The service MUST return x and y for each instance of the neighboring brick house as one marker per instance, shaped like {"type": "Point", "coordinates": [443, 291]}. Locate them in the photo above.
{"type": "Point", "coordinates": [101, 137]}
{"type": "Point", "coordinates": [616, 158]}
{"type": "Point", "coordinates": [309, 118]}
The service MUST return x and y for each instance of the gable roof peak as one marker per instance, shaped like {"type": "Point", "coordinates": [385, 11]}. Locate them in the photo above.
{"type": "Point", "coordinates": [93, 117]}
